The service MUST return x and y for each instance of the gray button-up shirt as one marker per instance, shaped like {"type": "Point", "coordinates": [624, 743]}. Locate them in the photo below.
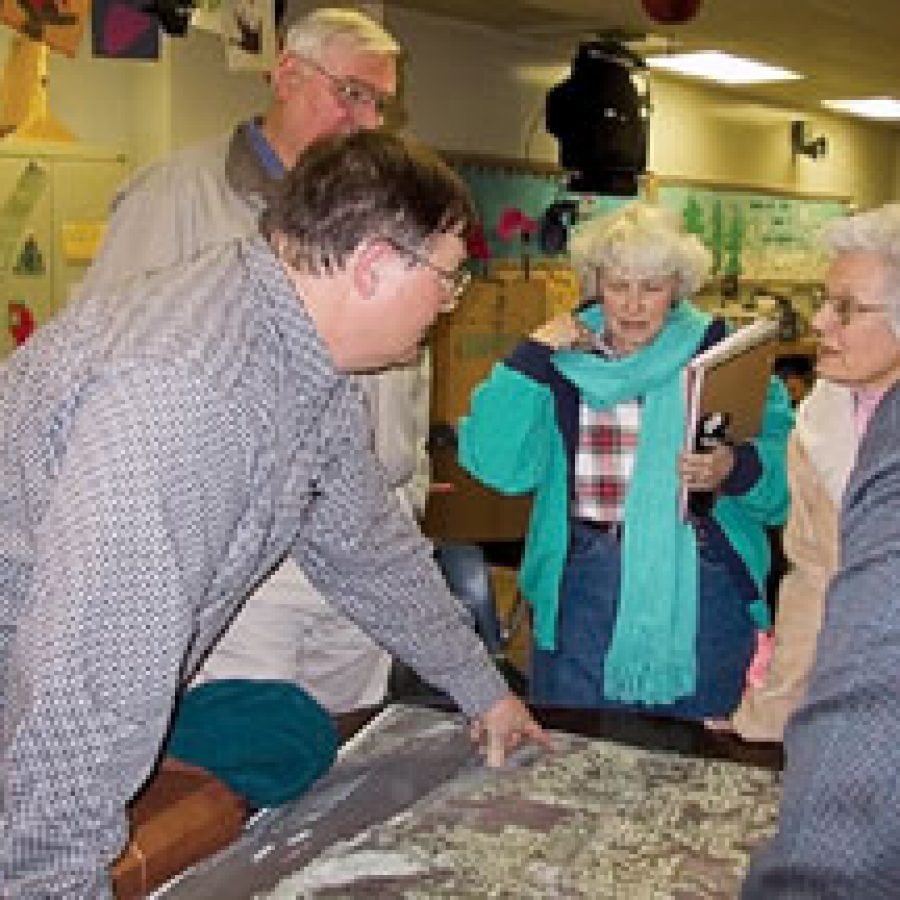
{"type": "Point", "coordinates": [163, 446]}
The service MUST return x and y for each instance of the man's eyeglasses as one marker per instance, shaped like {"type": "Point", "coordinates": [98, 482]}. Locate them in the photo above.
{"type": "Point", "coordinates": [846, 309]}
{"type": "Point", "coordinates": [354, 94]}
{"type": "Point", "coordinates": [454, 281]}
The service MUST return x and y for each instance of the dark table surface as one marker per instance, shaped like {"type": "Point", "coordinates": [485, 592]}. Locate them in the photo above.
{"type": "Point", "coordinates": [638, 730]}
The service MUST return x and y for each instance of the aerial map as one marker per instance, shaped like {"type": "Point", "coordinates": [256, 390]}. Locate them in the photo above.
{"type": "Point", "coordinates": [594, 819]}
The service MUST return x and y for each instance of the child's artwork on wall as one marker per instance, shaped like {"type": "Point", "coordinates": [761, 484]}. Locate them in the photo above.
{"type": "Point", "coordinates": [753, 234]}
{"type": "Point", "coordinates": [207, 16]}
{"type": "Point", "coordinates": [248, 29]}
{"type": "Point", "coordinates": [57, 23]}
{"type": "Point", "coordinates": [124, 29]}
{"type": "Point", "coordinates": [526, 213]}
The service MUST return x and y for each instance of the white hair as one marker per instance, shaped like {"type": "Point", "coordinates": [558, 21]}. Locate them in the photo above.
{"type": "Point", "coordinates": [310, 35]}
{"type": "Point", "coordinates": [876, 231]}
{"type": "Point", "coordinates": [641, 241]}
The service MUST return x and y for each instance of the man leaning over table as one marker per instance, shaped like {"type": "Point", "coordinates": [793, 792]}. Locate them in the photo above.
{"type": "Point", "coordinates": [166, 442]}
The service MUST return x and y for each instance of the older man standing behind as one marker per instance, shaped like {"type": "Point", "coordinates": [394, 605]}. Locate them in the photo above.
{"type": "Point", "coordinates": [337, 74]}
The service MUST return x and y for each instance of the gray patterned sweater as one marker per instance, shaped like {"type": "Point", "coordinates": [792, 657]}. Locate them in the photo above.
{"type": "Point", "coordinates": [161, 449]}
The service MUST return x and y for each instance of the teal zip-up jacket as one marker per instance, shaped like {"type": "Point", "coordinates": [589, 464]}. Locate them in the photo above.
{"type": "Point", "coordinates": [521, 435]}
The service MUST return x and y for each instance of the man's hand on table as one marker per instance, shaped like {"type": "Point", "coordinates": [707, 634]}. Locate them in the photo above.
{"type": "Point", "coordinates": [503, 728]}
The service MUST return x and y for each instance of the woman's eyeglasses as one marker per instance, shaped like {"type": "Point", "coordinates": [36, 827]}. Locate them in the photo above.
{"type": "Point", "coordinates": [846, 309]}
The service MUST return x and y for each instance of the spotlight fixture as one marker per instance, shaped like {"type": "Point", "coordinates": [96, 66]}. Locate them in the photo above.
{"type": "Point", "coordinates": [599, 119]}
{"type": "Point", "coordinates": [174, 16]}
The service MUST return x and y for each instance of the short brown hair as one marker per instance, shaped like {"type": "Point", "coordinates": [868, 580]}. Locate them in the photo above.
{"type": "Point", "coordinates": [347, 189]}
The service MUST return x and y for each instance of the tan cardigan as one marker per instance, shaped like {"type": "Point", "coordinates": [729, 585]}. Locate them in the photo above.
{"type": "Point", "coordinates": [820, 455]}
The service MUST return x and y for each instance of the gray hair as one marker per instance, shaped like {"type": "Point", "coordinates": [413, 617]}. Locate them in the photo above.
{"type": "Point", "coordinates": [642, 241]}
{"type": "Point", "coordinates": [310, 35]}
{"type": "Point", "coordinates": [875, 231]}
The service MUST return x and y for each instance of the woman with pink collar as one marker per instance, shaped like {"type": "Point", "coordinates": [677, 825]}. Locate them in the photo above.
{"type": "Point", "coordinates": [858, 360]}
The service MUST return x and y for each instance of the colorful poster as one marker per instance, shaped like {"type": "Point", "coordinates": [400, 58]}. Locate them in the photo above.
{"type": "Point", "coordinates": [57, 23]}
{"type": "Point", "coordinates": [755, 235]}
{"type": "Point", "coordinates": [207, 16]}
{"type": "Point", "coordinates": [248, 29]}
{"type": "Point", "coordinates": [501, 191]}
{"type": "Point", "coordinates": [81, 239]}
{"type": "Point", "coordinates": [124, 29]}
{"type": "Point", "coordinates": [16, 209]}
{"type": "Point", "coordinates": [752, 234]}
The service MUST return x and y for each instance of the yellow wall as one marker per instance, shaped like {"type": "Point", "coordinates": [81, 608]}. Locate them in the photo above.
{"type": "Point", "coordinates": [464, 90]}
{"type": "Point", "coordinates": [492, 90]}
{"type": "Point", "coordinates": [473, 90]}
{"type": "Point", "coordinates": [705, 133]}
{"type": "Point", "coordinates": [209, 98]}
{"type": "Point", "coordinates": [119, 105]}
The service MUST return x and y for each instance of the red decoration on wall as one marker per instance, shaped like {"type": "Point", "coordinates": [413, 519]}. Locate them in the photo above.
{"type": "Point", "coordinates": [124, 30]}
{"type": "Point", "coordinates": [671, 11]}
{"type": "Point", "coordinates": [21, 322]}
{"type": "Point", "coordinates": [476, 243]}
{"type": "Point", "coordinates": [514, 223]}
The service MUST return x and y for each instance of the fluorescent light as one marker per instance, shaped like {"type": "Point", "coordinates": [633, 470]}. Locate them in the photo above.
{"type": "Point", "coordinates": [721, 67]}
{"type": "Point", "coordinates": [869, 107]}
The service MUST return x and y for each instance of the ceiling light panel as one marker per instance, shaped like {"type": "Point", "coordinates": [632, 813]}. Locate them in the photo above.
{"type": "Point", "coordinates": [721, 67]}
{"type": "Point", "coordinates": [884, 108]}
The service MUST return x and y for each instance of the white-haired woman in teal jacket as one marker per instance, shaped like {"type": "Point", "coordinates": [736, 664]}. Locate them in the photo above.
{"type": "Point", "coordinates": [633, 605]}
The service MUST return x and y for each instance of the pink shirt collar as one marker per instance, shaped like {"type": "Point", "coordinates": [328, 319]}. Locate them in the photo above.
{"type": "Point", "coordinates": [865, 403]}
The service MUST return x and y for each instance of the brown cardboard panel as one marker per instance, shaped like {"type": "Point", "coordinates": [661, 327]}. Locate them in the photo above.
{"type": "Point", "coordinates": [491, 319]}
{"type": "Point", "coordinates": [468, 511]}
{"type": "Point", "coordinates": [738, 387]}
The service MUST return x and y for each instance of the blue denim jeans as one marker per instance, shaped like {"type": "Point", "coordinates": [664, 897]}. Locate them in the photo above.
{"type": "Point", "coordinates": [572, 674]}
{"type": "Point", "coordinates": [467, 575]}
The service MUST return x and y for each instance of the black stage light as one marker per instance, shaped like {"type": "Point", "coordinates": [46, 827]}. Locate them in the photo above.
{"type": "Point", "coordinates": [174, 16]}
{"type": "Point", "coordinates": [598, 117]}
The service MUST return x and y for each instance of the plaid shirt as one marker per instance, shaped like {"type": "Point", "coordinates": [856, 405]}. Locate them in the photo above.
{"type": "Point", "coordinates": [162, 447]}
{"type": "Point", "coordinates": [604, 459]}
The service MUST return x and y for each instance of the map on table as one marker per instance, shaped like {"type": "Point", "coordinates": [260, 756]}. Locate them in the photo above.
{"type": "Point", "coordinates": [594, 819]}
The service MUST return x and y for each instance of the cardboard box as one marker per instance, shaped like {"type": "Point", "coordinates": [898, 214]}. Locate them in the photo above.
{"type": "Point", "coordinates": [491, 319]}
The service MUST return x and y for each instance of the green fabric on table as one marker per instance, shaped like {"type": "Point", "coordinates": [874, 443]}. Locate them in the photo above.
{"type": "Point", "coordinates": [267, 740]}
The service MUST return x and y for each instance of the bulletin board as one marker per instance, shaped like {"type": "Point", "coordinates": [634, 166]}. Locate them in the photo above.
{"type": "Point", "coordinates": [756, 235]}
{"type": "Point", "coordinates": [54, 201]}
{"type": "Point", "coordinates": [753, 234]}
{"type": "Point", "coordinates": [501, 185]}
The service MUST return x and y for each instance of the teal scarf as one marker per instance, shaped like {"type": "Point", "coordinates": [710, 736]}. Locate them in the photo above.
{"type": "Point", "coordinates": [652, 656]}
